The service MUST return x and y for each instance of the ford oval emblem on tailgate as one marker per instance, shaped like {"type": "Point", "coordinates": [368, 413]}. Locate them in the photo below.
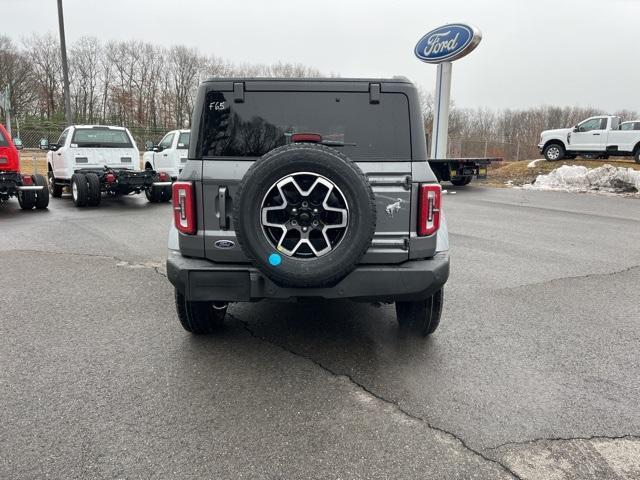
{"type": "Point", "coordinates": [224, 244]}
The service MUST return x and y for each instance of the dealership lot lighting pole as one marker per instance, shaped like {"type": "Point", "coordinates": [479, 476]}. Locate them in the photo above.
{"type": "Point", "coordinates": [65, 68]}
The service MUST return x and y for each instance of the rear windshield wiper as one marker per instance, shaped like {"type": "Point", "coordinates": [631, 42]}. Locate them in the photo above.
{"type": "Point", "coordinates": [337, 143]}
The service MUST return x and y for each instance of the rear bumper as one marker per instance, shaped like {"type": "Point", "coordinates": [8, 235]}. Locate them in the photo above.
{"type": "Point", "coordinates": [203, 280]}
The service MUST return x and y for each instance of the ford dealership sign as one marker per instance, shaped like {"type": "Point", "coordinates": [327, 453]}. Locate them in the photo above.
{"type": "Point", "coordinates": [448, 43]}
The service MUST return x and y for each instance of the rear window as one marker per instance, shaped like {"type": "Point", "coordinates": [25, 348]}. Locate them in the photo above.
{"type": "Point", "coordinates": [630, 126]}
{"type": "Point", "coordinates": [3, 141]}
{"type": "Point", "coordinates": [183, 140]}
{"type": "Point", "coordinates": [101, 138]}
{"type": "Point", "coordinates": [266, 120]}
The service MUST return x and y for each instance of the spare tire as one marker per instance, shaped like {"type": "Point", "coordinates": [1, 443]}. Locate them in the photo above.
{"type": "Point", "coordinates": [304, 214]}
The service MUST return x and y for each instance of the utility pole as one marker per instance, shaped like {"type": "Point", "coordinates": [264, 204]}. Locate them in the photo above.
{"type": "Point", "coordinates": [65, 69]}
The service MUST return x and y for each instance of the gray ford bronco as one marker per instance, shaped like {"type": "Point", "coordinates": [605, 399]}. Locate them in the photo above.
{"type": "Point", "coordinates": [303, 188]}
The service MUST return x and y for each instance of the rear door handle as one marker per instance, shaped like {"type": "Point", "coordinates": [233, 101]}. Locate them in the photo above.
{"type": "Point", "coordinates": [596, 134]}
{"type": "Point", "coordinates": [164, 154]}
{"type": "Point", "coordinates": [222, 205]}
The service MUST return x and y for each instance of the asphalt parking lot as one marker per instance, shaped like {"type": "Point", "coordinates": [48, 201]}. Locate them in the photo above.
{"type": "Point", "coordinates": [534, 372]}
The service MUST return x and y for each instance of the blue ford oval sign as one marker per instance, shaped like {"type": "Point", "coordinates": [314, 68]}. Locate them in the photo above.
{"type": "Point", "coordinates": [448, 43]}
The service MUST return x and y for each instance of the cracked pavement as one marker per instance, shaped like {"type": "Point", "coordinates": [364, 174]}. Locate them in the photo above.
{"type": "Point", "coordinates": [534, 372]}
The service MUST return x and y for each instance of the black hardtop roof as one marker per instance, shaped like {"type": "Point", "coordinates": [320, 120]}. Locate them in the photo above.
{"type": "Point", "coordinates": [397, 79]}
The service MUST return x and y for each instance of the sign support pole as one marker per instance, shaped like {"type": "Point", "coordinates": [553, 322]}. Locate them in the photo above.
{"type": "Point", "coordinates": [440, 133]}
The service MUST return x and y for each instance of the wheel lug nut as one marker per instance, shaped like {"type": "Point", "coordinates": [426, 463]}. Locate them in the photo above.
{"type": "Point", "coordinates": [314, 223]}
{"type": "Point", "coordinates": [305, 204]}
{"type": "Point", "coordinates": [293, 222]}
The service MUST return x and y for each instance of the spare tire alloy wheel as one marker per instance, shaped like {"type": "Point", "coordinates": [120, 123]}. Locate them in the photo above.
{"type": "Point", "coordinates": [309, 218]}
{"type": "Point", "coordinates": [294, 215]}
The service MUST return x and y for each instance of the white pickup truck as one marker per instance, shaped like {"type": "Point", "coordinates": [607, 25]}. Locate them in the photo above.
{"type": "Point", "coordinates": [170, 155]}
{"type": "Point", "coordinates": [599, 137]}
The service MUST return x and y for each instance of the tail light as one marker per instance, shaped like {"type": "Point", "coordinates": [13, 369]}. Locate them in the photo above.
{"type": "Point", "coordinates": [184, 211]}
{"type": "Point", "coordinates": [110, 178]}
{"type": "Point", "coordinates": [163, 176]}
{"type": "Point", "coordinates": [430, 197]}
{"type": "Point", "coordinates": [27, 180]}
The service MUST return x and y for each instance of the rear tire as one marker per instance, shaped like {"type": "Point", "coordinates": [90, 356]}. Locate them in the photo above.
{"type": "Point", "coordinates": [153, 194]}
{"type": "Point", "coordinates": [199, 317]}
{"type": "Point", "coordinates": [554, 152]}
{"type": "Point", "coordinates": [42, 196]}
{"type": "Point", "coordinates": [54, 189]}
{"type": "Point", "coordinates": [166, 193]}
{"type": "Point", "coordinates": [27, 199]}
{"type": "Point", "coordinates": [636, 156]}
{"type": "Point", "coordinates": [79, 189]}
{"type": "Point", "coordinates": [95, 194]}
{"type": "Point", "coordinates": [461, 181]}
{"type": "Point", "coordinates": [422, 316]}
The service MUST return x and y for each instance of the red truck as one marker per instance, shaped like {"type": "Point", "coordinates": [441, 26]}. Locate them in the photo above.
{"type": "Point", "coordinates": [32, 190]}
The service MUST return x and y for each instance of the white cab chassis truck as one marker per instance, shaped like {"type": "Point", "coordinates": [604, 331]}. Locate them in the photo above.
{"type": "Point", "coordinates": [92, 159]}
{"type": "Point", "coordinates": [170, 155]}
{"type": "Point", "coordinates": [595, 137]}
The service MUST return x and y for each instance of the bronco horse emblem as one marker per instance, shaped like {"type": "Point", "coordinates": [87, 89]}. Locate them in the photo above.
{"type": "Point", "coordinates": [394, 208]}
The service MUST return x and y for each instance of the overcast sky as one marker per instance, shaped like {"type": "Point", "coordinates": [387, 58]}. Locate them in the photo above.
{"type": "Point", "coordinates": [533, 52]}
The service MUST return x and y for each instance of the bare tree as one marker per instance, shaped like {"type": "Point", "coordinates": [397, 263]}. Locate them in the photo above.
{"type": "Point", "coordinates": [16, 72]}
{"type": "Point", "coordinates": [84, 67]}
{"type": "Point", "coordinates": [44, 52]}
{"type": "Point", "coordinates": [185, 64]}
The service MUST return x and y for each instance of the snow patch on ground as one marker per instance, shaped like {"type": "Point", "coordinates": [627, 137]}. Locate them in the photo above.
{"type": "Point", "coordinates": [533, 163]}
{"type": "Point", "coordinates": [576, 178]}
